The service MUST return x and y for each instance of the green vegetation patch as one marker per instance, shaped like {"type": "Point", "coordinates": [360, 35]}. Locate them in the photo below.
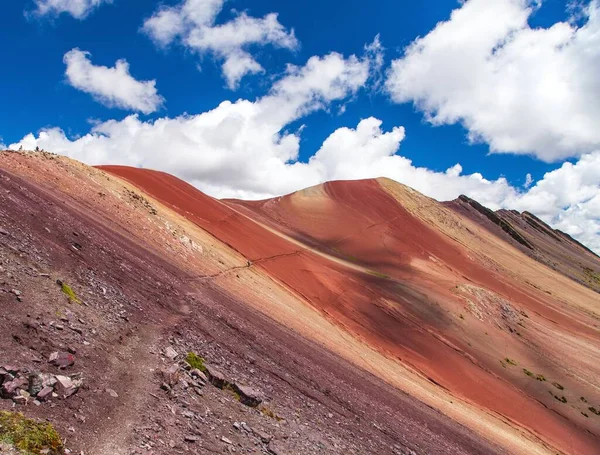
{"type": "Point", "coordinates": [195, 361]}
{"type": "Point", "coordinates": [66, 289]}
{"type": "Point", "coordinates": [28, 435]}
{"type": "Point", "coordinates": [591, 275]}
{"type": "Point", "coordinates": [562, 399]}
{"type": "Point", "coordinates": [269, 413]}
{"type": "Point", "coordinates": [538, 377]}
{"type": "Point", "coordinates": [558, 386]}
{"type": "Point", "coordinates": [510, 361]}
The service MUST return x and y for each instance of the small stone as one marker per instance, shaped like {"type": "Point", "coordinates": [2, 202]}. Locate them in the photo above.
{"type": "Point", "coordinates": [19, 399]}
{"type": "Point", "coordinates": [275, 448]}
{"type": "Point", "coordinates": [64, 381]}
{"type": "Point", "coordinates": [248, 395]}
{"type": "Point", "coordinates": [61, 359]}
{"type": "Point", "coordinates": [3, 232]}
{"type": "Point", "coordinates": [171, 375]}
{"type": "Point", "coordinates": [45, 393]}
{"type": "Point", "coordinates": [196, 373]}
{"type": "Point", "coordinates": [215, 377]}
{"type": "Point", "coordinates": [225, 440]}
{"type": "Point", "coordinates": [66, 386]}
{"type": "Point", "coordinates": [12, 369]}
{"type": "Point", "coordinates": [11, 389]}
{"type": "Point", "coordinates": [191, 438]}
{"type": "Point", "coordinates": [264, 437]}
{"type": "Point", "coordinates": [171, 353]}
{"type": "Point", "coordinates": [112, 393]}
{"type": "Point", "coordinates": [16, 292]}
{"type": "Point", "coordinates": [237, 426]}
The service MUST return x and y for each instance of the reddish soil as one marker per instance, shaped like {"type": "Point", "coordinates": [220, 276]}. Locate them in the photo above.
{"type": "Point", "coordinates": [397, 308]}
{"type": "Point", "coordinates": [59, 222]}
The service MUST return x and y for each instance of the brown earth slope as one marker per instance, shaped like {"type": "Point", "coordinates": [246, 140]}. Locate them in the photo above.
{"type": "Point", "coordinates": [371, 318]}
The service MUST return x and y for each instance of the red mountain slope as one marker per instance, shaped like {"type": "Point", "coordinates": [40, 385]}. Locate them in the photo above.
{"type": "Point", "coordinates": [429, 289]}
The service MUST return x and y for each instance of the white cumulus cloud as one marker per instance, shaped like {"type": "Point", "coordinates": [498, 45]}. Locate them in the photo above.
{"type": "Point", "coordinates": [192, 23]}
{"type": "Point", "coordinates": [246, 150]}
{"type": "Point", "coordinates": [520, 89]}
{"type": "Point", "coordinates": [113, 87]}
{"type": "Point", "coordinates": [79, 9]}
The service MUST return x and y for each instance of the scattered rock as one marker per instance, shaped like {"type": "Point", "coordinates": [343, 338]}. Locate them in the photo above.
{"type": "Point", "coordinates": [192, 439]}
{"type": "Point", "coordinates": [196, 373]}
{"type": "Point", "coordinates": [10, 389]}
{"type": "Point", "coordinates": [264, 437]}
{"type": "Point", "coordinates": [248, 395]}
{"type": "Point", "coordinates": [61, 359]}
{"type": "Point", "coordinates": [45, 393]}
{"type": "Point", "coordinates": [112, 393]}
{"type": "Point", "coordinates": [171, 375]}
{"type": "Point", "coordinates": [215, 377]}
{"type": "Point", "coordinates": [11, 369]}
{"type": "Point", "coordinates": [171, 353]}
{"type": "Point", "coordinates": [276, 448]}
{"type": "Point", "coordinates": [66, 386]}
{"type": "Point", "coordinates": [226, 441]}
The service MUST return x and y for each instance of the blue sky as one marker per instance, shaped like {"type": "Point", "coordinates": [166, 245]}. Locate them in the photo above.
{"type": "Point", "coordinates": [37, 94]}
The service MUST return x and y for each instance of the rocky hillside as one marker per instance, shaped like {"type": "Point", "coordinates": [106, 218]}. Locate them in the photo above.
{"type": "Point", "coordinates": [141, 316]}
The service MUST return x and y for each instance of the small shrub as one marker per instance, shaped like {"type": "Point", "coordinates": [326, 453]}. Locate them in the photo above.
{"type": "Point", "coordinates": [584, 414]}
{"type": "Point", "coordinates": [562, 399]}
{"type": "Point", "coordinates": [594, 410]}
{"type": "Point", "coordinates": [269, 413]}
{"type": "Point", "coordinates": [510, 361]}
{"type": "Point", "coordinates": [28, 435]}
{"type": "Point", "coordinates": [195, 361]}
{"type": "Point", "coordinates": [66, 289]}
{"type": "Point", "coordinates": [558, 386]}
{"type": "Point", "coordinates": [538, 377]}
